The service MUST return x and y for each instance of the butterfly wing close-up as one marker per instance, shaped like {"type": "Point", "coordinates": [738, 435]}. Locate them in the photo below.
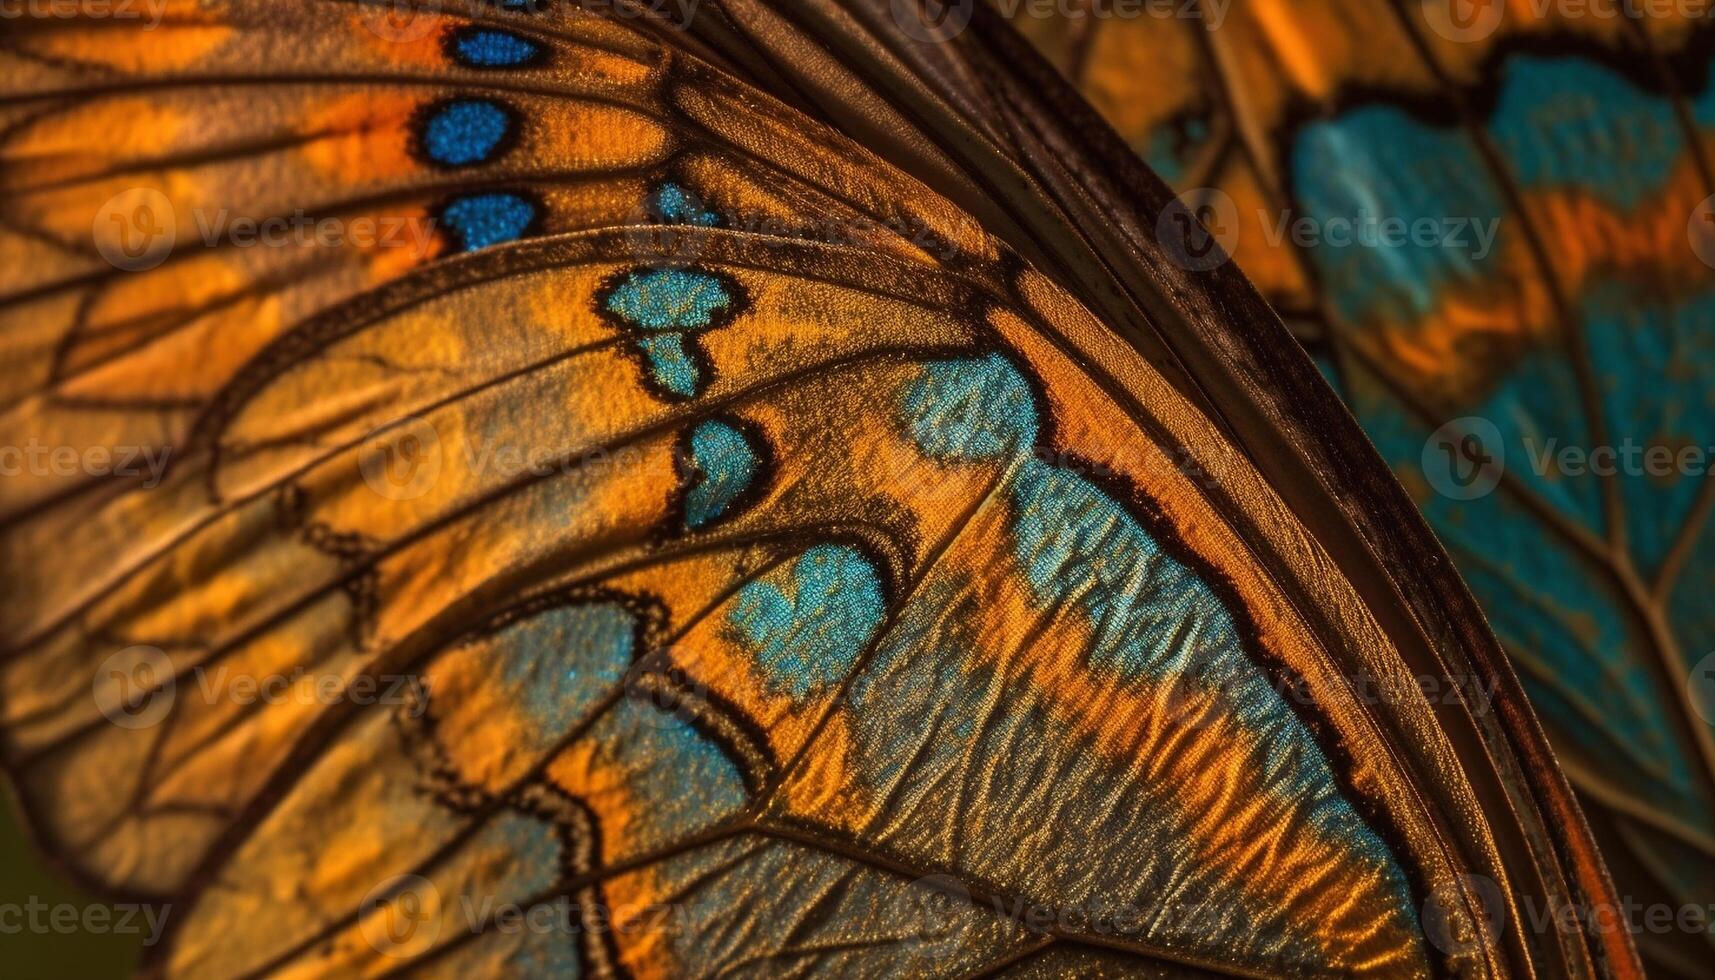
{"type": "Point", "coordinates": [1556, 318]}
{"type": "Point", "coordinates": [709, 488]}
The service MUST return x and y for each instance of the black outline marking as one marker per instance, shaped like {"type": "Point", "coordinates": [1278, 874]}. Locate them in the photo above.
{"type": "Point", "coordinates": [691, 475]}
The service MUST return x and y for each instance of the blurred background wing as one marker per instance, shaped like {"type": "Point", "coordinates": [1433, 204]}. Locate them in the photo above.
{"type": "Point", "coordinates": [523, 471]}
{"type": "Point", "coordinates": [1545, 293]}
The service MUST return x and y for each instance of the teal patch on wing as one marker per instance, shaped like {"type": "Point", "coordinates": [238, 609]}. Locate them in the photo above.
{"type": "Point", "coordinates": [1174, 144]}
{"type": "Point", "coordinates": [677, 780]}
{"type": "Point", "coordinates": [671, 363]}
{"type": "Point", "coordinates": [1151, 618]}
{"type": "Point", "coordinates": [726, 467]}
{"type": "Point", "coordinates": [807, 626]}
{"type": "Point", "coordinates": [1557, 616]}
{"type": "Point", "coordinates": [1150, 613]}
{"type": "Point", "coordinates": [970, 409]}
{"type": "Point", "coordinates": [560, 663]}
{"type": "Point", "coordinates": [669, 299]}
{"type": "Point", "coordinates": [1656, 365]}
{"type": "Point", "coordinates": [664, 307]}
{"type": "Point", "coordinates": [673, 204]}
{"type": "Point", "coordinates": [1376, 164]}
{"type": "Point", "coordinates": [1570, 122]}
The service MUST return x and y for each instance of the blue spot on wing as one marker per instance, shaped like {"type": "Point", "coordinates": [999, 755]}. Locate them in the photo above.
{"type": "Point", "coordinates": [488, 48]}
{"type": "Point", "coordinates": [669, 299]}
{"type": "Point", "coordinates": [727, 466]}
{"type": "Point", "coordinates": [482, 220]}
{"type": "Point", "coordinates": [465, 131]}
{"type": "Point", "coordinates": [675, 205]}
{"type": "Point", "coordinates": [670, 363]}
{"type": "Point", "coordinates": [667, 305]}
{"type": "Point", "coordinates": [807, 627]}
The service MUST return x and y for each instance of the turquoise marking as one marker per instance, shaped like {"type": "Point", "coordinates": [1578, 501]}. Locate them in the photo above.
{"type": "Point", "coordinates": [669, 299]}
{"type": "Point", "coordinates": [465, 131]}
{"type": "Point", "coordinates": [667, 305]}
{"type": "Point", "coordinates": [726, 465]}
{"type": "Point", "coordinates": [970, 409]}
{"type": "Point", "coordinates": [1149, 614]}
{"type": "Point", "coordinates": [680, 781]}
{"type": "Point", "coordinates": [559, 663]}
{"type": "Point", "coordinates": [1570, 122]}
{"type": "Point", "coordinates": [807, 627]}
{"type": "Point", "coordinates": [487, 48]}
{"type": "Point", "coordinates": [482, 220]}
{"type": "Point", "coordinates": [1170, 145]}
{"type": "Point", "coordinates": [1375, 164]}
{"type": "Point", "coordinates": [1566, 123]}
{"type": "Point", "coordinates": [677, 206]}
{"type": "Point", "coordinates": [671, 364]}
{"type": "Point", "coordinates": [1544, 600]}
{"type": "Point", "coordinates": [1656, 365]}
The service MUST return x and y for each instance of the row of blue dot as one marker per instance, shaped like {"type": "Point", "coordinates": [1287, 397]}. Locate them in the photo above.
{"type": "Point", "coordinates": [470, 132]}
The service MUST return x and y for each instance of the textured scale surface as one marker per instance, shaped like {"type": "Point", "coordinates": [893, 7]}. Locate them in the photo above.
{"type": "Point", "coordinates": [757, 553]}
{"type": "Point", "coordinates": [1584, 142]}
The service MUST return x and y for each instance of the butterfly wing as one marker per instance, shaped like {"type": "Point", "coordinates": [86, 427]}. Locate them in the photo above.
{"type": "Point", "coordinates": [1576, 145]}
{"type": "Point", "coordinates": [743, 560]}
